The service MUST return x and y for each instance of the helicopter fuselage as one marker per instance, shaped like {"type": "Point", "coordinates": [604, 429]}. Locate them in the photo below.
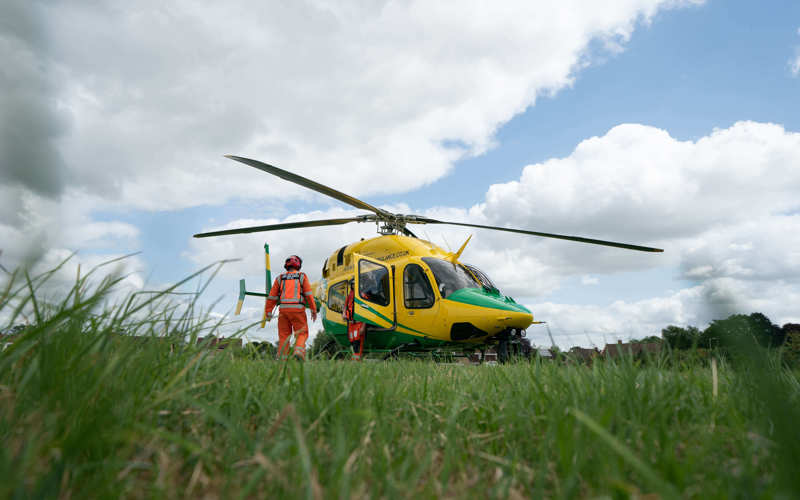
{"type": "Point", "coordinates": [411, 292]}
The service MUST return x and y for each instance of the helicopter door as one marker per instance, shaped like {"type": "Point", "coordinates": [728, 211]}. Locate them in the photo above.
{"type": "Point", "coordinates": [420, 312]}
{"type": "Point", "coordinates": [375, 295]}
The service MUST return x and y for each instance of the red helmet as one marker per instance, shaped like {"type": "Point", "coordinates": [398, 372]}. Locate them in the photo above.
{"type": "Point", "coordinates": [293, 261]}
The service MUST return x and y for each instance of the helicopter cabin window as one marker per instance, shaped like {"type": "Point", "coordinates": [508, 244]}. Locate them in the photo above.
{"type": "Point", "coordinates": [417, 290]}
{"type": "Point", "coordinates": [373, 282]}
{"type": "Point", "coordinates": [336, 296]}
{"type": "Point", "coordinates": [450, 277]}
{"type": "Point", "coordinates": [340, 256]}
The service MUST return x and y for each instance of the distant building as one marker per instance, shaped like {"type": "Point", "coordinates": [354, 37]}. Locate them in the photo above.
{"type": "Point", "coordinates": [584, 354]}
{"type": "Point", "coordinates": [544, 353]}
{"type": "Point", "coordinates": [632, 349]}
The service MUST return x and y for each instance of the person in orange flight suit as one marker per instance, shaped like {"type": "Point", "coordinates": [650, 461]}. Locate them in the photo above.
{"type": "Point", "coordinates": [290, 290]}
{"type": "Point", "coordinates": [356, 330]}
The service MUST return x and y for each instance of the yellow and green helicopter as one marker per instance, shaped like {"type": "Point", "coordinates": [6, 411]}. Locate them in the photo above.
{"type": "Point", "coordinates": [413, 295]}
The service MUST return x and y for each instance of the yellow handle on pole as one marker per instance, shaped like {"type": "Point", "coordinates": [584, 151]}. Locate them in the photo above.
{"type": "Point", "coordinates": [268, 276]}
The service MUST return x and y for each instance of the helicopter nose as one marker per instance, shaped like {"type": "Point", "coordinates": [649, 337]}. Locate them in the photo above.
{"type": "Point", "coordinates": [514, 319]}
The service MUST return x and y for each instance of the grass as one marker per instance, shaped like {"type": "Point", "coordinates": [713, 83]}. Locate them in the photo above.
{"type": "Point", "coordinates": [87, 412]}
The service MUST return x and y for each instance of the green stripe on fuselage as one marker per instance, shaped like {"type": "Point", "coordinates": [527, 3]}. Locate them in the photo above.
{"type": "Point", "coordinates": [376, 313]}
{"type": "Point", "coordinates": [482, 298]}
{"type": "Point", "coordinates": [373, 311]}
{"type": "Point", "coordinates": [382, 340]}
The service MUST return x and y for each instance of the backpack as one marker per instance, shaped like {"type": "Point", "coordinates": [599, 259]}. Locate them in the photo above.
{"type": "Point", "coordinates": [291, 288]}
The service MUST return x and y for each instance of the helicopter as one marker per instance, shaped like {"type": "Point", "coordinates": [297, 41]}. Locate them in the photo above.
{"type": "Point", "coordinates": [413, 295]}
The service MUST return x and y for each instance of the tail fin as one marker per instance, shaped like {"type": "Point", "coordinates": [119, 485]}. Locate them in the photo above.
{"type": "Point", "coordinates": [242, 293]}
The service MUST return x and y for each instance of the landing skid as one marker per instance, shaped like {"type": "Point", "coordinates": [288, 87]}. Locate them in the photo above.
{"type": "Point", "coordinates": [395, 353]}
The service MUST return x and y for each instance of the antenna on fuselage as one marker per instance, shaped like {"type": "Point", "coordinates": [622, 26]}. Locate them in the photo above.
{"type": "Point", "coordinates": [456, 255]}
{"type": "Point", "coordinates": [449, 248]}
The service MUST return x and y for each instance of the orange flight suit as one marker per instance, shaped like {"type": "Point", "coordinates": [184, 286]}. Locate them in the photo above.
{"type": "Point", "coordinates": [290, 290]}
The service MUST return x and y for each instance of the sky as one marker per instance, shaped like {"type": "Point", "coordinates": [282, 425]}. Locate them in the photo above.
{"type": "Point", "coordinates": [668, 123]}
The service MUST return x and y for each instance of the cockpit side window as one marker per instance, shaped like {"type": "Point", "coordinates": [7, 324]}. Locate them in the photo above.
{"type": "Point", "coordinates": [450, 277]}
{"type": "Point", "coordinates": [417, 291]}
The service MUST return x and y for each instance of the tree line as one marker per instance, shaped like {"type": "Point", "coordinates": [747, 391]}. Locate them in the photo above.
{"type": "Point", "coordinates": [737, 327]}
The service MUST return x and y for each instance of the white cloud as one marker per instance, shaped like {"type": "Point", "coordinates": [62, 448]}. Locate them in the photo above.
{"type": "Point", "coordinates": [638, 182]}
{"type": "Point", "coordinates": [599, 324]}
{"type": "Point", "coordinates": [766, 247]}
{"type": "Point", "coordinates": [724, 208]}
{"type": "Point", "coordinates": [313, 245]}
{"type": "Point", "coordinates": [152, 95]}
{"type": "Point", "coordinates": [34, 224]}
{"type": "Point", "coordinates": [55, 273]}
{"type": "Point", "coordinates": [31, 124]}
{"type": "Point", "coordinates": [40, 234]}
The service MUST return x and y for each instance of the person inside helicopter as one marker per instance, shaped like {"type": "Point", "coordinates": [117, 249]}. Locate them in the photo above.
{"type": "Point", "coordinates": [356, 330]}
{"type": "Point", "coordinates": [373, 285]}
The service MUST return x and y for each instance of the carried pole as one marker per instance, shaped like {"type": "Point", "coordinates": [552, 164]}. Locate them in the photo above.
{"type": "Point", "coordinates": [268, 285]}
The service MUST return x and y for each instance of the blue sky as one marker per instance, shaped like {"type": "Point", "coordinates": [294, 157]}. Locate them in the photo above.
{"type": "Point", "coordinates": [144, 114]}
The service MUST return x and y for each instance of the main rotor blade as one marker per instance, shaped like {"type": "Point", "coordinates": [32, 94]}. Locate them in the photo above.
{"type": "Point", "coordinates": [425, 220]}
{"type": "Point", "coordinates": [308, 183]}
{"type": "Point", "coordinates": [285, 225]}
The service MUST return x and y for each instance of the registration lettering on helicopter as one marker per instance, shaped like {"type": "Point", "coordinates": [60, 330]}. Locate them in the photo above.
{"type": "Point", "coordinates": [393, 256]}
{"type": "Point", "coordinates": [384, 258]}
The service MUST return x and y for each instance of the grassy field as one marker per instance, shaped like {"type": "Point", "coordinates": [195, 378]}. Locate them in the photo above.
{"type": "Point", "coordinates": [87, 412]}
